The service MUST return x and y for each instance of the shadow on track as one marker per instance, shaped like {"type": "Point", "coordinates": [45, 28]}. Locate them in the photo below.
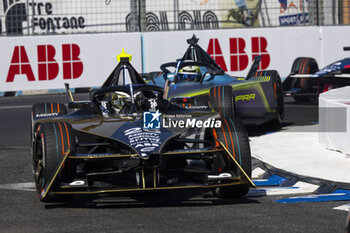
{"type": "Point", "coordinates": [295, 114]}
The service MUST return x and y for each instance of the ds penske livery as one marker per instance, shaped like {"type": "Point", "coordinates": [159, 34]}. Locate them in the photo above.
{"type": "Point", "coordinates": [196, 80]}
{"type": "Point", "coordinates": [117, 142]}
{"type": "Point", "coordinates": [306, 81]}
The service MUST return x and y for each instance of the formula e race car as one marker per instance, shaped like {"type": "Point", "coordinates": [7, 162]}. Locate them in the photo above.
{"type": "Point", "coordinates": [196, 80]}
{"type": "Point", "coordinates": [306, 81]}
{"type": "Point", "coordinates": [127, 138]}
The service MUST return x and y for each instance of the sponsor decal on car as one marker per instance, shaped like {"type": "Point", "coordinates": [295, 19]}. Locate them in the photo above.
{"type": "Point", "coordinates": [265, 79]}
{"type": "Point", "coordinates": [46, 115]}
{"type": "Point", "coordinates": [245, 97]}
{"type": "Point", "coordinates": [143, 140]}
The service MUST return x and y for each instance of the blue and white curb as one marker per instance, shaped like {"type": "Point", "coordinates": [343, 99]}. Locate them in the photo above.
{"type": "Point", "coordinates": [274, 185]}
{"type": "Point", "coordinates": [273, 180]}
{"type": "Point", "coordinates": [337, 195]}
{"type": "Point", "coordinates": [298, 188]}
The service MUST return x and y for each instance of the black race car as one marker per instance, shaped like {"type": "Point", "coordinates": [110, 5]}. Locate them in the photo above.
{"type": "Point", "coordinates": [196, 80]}
{"type": "Point", "coordinates": [127, 138]}
{"type": "Point", "coordinates": [306, 81]}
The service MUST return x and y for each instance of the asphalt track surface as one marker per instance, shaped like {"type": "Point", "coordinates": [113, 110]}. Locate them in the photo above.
{"type": "Point", "coordinates": [21, 211]}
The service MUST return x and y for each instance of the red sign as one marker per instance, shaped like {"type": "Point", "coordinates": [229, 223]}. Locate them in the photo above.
{"type": "Point", "coordinates": [48, 67]}
{"type": "Point", "coordinates": [239, 58]}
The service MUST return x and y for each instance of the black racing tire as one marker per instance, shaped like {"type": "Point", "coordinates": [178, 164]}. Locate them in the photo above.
{"type": "Point", "coordinates": [221, 100]}
{"type": "Point", "coordinates": [235, 138]}
{"type": "Point", "coordinates": [304, 65]}
{"type": "Point", "coordinates": [49, 108]}
{"type": "Point", "coordinates": [279, 95]}
{"type": "Point", "coordinates": [52, 141]}
{"type": "Point", "coordinates": [277, 88]}
{"type": "Point", "coordinates": [45, 108]}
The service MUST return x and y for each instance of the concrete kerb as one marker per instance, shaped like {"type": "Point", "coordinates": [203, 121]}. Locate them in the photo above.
{"type": "Point", "coordinates": [323, 183]}
{"type": "Point", "coordinates": [295, 153]}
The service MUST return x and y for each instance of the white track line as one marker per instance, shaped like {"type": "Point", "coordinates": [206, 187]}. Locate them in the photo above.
{"type": "Point", "coordinates": [15, 107]}
{"type": "Point", "coordinates": [298, 188]}
{"type": "Point", "coordinates": [343, 207]}
{"type": "Point", "coordinates": [258, 173]}
{"type": "Point", "coordinates": [29, 186]}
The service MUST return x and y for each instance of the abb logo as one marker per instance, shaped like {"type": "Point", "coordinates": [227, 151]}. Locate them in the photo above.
{"type": "Point", "coordinates": [239, 59]}
{"type": "Point", "coordinates": [48, 67]}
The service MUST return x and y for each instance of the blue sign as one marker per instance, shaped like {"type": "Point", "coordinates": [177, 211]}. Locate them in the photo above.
{"type": "Point", "coordinates": [294, 19]}
{"type": "Point", "coordinates": [151, 120]}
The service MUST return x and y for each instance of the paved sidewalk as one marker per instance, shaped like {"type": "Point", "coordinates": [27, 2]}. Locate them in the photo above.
{"type": "Point", "coordinates": [297, 150]}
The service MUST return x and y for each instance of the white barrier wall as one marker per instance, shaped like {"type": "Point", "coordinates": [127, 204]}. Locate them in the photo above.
{"type": "Point", "coordinates": [334, 123]}
{"type": "Point", "coordinates": [236, 48]}
{"type": "Point", "coordinates": [46, 62]}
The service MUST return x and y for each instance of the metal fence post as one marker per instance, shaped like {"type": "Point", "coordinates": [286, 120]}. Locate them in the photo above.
{"type": "Point", "coordinates": [317, 13]}
{"type": "Point", "coordinates": [133, 16]}
{"type": "Point", "coordinates": [142, 15]}
{"type": "Point", "coordinates": [176, 13]}
{"type": "Point", "coordinates": [33, 27]}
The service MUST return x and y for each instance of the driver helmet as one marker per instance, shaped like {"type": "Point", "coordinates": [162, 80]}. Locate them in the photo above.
{"type": "Point", "coordinates": [119, 100]}
{"type": "Point", "coordinates": [189, 74]}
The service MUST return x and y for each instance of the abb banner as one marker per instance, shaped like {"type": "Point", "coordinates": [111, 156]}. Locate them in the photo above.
{"type": "Point", "coordinates": [234, 50]}
{"type": "Point", "coordinates": [47, 62]}
{"type": "Point", "coordinates": [48, 67]}
{"type": "Point", "coordinates": [239, 58]}
{"type": "Point", "coordinates": [33, 63]}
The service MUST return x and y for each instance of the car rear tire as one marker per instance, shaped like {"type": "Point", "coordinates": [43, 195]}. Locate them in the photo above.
{"type": "Point", "coordinates": [40, 108]}
{"type": "Point", "coordinates": [235, 138]}
{"type": "Point", "coordinates": [46, 108]}
{"type": "Point", "coordinates": [221, 100]}
{"type": "Point", "coordinates": [304, 65]}
{"type": "Point", "coordinates": [52, 140]}
{"type": "Point", "coordinates": [277, 89]}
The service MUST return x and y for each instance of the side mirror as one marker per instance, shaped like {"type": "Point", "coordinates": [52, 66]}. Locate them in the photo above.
{"type": "Point", "coordinates": [213, 72]}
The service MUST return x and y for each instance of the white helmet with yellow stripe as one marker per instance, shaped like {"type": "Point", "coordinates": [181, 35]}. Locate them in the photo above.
{"type": "Point", "coordinates": [189, 74]}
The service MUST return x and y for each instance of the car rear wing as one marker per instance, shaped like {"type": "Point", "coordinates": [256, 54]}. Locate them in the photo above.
{"type": "Point", "coordinates": [254, 67]}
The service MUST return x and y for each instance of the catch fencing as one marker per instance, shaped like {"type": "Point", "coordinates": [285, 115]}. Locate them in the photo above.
{"type": "Point", "coordinates": [37, 17]}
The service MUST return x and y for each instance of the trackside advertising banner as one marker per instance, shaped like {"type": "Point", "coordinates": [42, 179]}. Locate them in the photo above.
{"type": "Point", "coordinates": [47, 62]}
{"type": "Point", "coordinates": [234, 50]}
